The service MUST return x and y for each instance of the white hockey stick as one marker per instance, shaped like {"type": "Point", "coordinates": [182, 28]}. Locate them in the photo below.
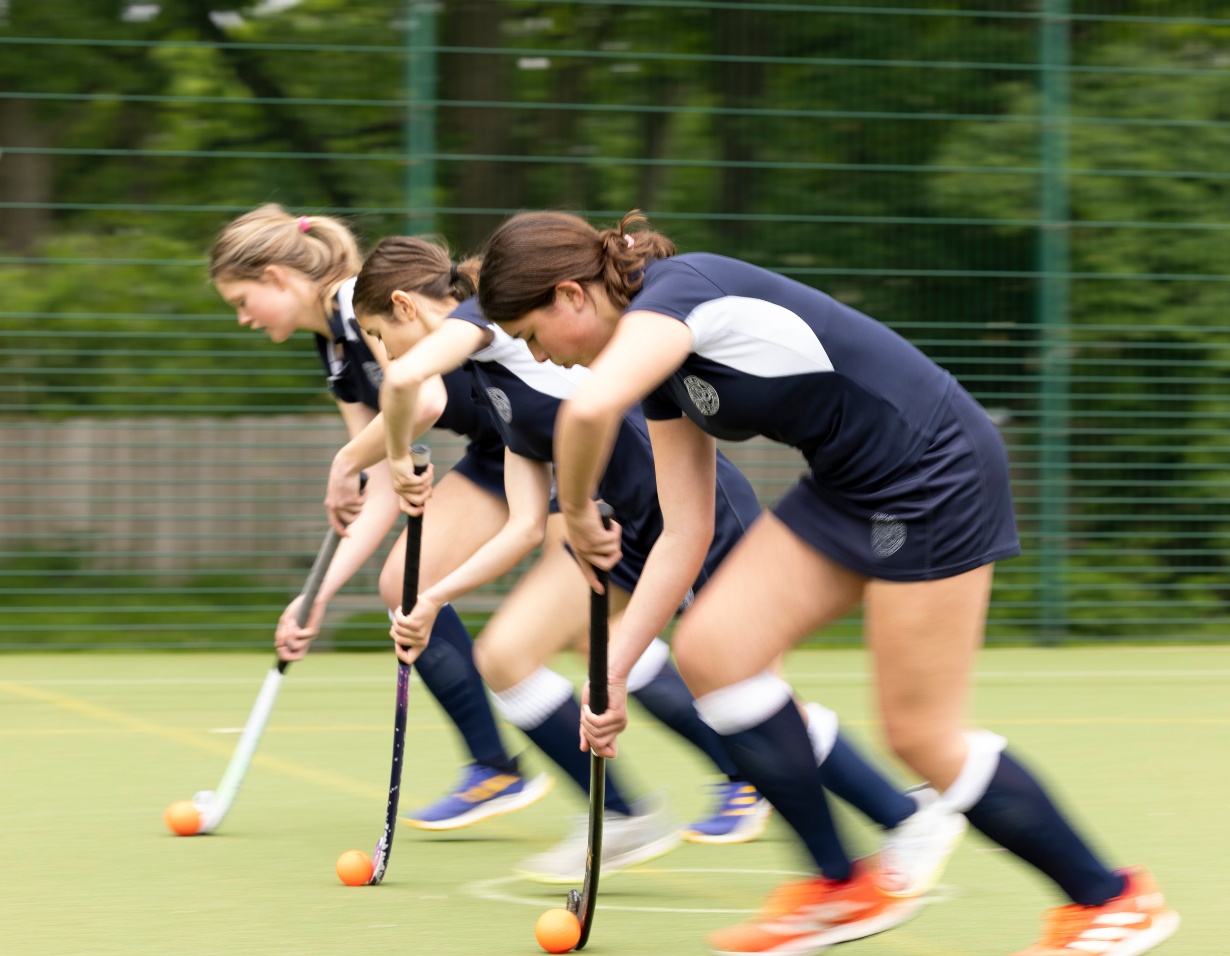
{"type": "Point", "coordinates": [213, 805]}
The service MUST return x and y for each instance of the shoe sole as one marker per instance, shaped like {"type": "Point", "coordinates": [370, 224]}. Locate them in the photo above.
{"type": "Point", "coordinates": [1164, 926]}
{"type": "Point", "coordinates": [818, 942]}
{"type": "Point", "coordinates": [932, 878]}
{"type": "Point", "coordinates": [743, 835]}
{"type": "Point", "coordinates": [644, 854]}
{"type": "Point", "coordinates": [533, 791]}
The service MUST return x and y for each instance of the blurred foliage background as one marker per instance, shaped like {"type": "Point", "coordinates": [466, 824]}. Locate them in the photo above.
{"type": "Point", "coordinates": [1035, 193]}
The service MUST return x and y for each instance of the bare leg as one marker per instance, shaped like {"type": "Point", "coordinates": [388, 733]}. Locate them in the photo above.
{"type": "Point", "coordinates": [770, 592]}
{"type": "Point", "coordinates": [539, 618]}
{"type": "Point", "coordinates": [460, 519]}
{"type": "Point", "coordinates": [924, 637]}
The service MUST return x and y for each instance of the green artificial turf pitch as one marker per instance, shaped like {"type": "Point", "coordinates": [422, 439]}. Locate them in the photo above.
{"type": "Point", "coordinates": [1134, 741]}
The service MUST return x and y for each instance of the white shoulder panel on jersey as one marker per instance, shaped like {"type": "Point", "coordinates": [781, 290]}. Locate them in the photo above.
{"type": "Point", "coordinates": [757, 337]}
{"type": "Point", "coordinates": [545, 377]}
{"type": "Point", "coordinates": [345, 304]}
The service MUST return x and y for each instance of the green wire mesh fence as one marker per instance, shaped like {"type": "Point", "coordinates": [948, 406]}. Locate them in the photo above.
{"type": "Point", "coordinates": [1034, 193]}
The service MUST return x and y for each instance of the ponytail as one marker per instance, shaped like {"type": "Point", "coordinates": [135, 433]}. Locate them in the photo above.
{"type": "Point", "coordinates": [321, 247]}
{"type": "Point", "coordinates": [412, 264]}
{"type": "Point", "coordinates": [531, 253]}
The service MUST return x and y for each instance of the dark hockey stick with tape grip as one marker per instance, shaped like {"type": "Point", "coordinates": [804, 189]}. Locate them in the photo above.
{"type": "Point", "coordinates": [421, 455]}
{"type": "Point", "coordinates": [583, 904]}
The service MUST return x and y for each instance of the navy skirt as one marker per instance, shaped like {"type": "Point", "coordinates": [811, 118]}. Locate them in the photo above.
{"type": "Point", "coordinates": [951, 513]}
{"type": "Point", "coordinates": [485, 470]}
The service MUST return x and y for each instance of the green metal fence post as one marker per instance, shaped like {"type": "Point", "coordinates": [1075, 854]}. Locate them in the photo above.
{"type": "Point", "coordinates": [420, 116]}
{"type": "Point", "coordinates": [1053, 318]}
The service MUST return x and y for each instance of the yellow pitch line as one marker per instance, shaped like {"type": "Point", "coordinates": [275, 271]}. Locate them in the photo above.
{"type": "Point", "coordinates": [188, 738]}
{"type": "Point", "coordinates": [1028, 721]}
{"type": "Point", "coordinates": [1104, 720]}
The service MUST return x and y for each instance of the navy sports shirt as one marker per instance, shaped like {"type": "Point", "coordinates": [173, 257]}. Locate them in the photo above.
{"type": "Point", "coordinates": [354, 376]}
{"type": "Point", "coordinates": [524, 397]}
{"type": "Point", "coordinates": [773, 357]}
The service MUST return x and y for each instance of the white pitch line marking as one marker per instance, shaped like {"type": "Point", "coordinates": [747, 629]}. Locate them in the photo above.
{"type": "Point", "coordinates": [171, 681]}
{"type": "Point", "coordinates": [492, 890]}
{"type": "Point", "coordinates": [860, 677]}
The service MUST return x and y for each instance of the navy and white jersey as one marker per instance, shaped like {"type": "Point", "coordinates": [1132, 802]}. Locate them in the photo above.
{"type": "Point", "coordinates": [353, 373]}
{"type": "Point", "coordinates": [773, 357]}
{"type": "Point", "coordinates": [524, 397]}
{"type": "Point", "coordinates": [355, 376]}
{"type": "Point", "coordinates": [909, 478]}
{"type": "Point", "coordinates": [464, 415]}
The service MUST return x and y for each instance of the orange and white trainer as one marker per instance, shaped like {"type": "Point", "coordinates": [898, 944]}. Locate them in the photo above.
{"type": "Point", "coordinates": [808, 916]}
{"type": "Point", "coordinates": [1128, 925]}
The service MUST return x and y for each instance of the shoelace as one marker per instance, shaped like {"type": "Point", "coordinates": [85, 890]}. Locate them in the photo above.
{"type": "Point", "coordinates": [734, 796]}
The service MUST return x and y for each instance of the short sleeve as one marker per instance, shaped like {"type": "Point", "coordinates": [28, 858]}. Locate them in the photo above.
{"type": "Point", "coordinates": [673, 287]}
{"type": "Point", "coordinates": [469, 311]}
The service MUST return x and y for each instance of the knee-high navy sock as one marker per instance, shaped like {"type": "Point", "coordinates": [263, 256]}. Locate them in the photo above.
{"type": "Point", "coordinates": [557, 738]}
{"type": "Point", "coordinates": [777, 758]}
{"type": "Point", "coordinates": [850, 777]}
{"type": "Point", "coordinates": [1017, 814]}
{"type": "Point", "coordinates": [667, 697]}
{"type": "Point", "coordinates": [447, 668]}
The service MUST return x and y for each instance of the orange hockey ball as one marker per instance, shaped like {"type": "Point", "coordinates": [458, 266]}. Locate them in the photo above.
{"type": "Point", "coordinates": [557, 930]}
{"type": "Point", "coordinates": [182, 817]}
{"type": "Point", "coordinates": [354, 868]}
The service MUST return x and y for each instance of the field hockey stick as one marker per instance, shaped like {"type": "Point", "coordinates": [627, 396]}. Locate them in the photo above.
{"type": "Point", "coordinates": [582, 905]}
{"type": "Point", "coordinates": [421, 455]}
{"type": "Point", "coordinates": [213, 805]}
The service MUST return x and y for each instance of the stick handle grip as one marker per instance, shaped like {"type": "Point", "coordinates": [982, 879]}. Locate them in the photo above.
{"type": "Point", "coordinates": [421, 456]}
{"type": "Point", "coordinates": [599, 614]}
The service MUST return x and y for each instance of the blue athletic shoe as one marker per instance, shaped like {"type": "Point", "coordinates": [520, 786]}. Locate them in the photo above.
{"type": "Point", "coordinates": [741, 816]}
{"type": "Point", "coordinates": [482, 793]}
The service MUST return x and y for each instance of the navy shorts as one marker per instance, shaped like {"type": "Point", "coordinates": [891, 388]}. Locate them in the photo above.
{"type": "Point", "coordinates": [486, 471]}
{"type": "Point", "coordinates": [950, 514]}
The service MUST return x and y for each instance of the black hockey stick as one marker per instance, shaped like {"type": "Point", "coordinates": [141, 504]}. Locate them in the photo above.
{"type": "Point", "coordinates": [409, 597]}
{"type": "Point", "coordinates": [582, 904]}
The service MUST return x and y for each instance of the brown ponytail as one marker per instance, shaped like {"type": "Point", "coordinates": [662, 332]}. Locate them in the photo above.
{"type": "Point", "coordinates": [412, 264]}
{"type": "Point", "coordinates": [531, 253]}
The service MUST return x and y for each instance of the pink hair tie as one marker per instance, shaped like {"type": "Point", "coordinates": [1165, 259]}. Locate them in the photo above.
{"type": "Point", "coordinates": [304, 224]}
{"type": "Point", "coordinates": [629, 240]}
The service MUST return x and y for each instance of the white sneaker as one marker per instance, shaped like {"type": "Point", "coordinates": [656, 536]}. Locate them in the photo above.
{"type": "Point", "coordinates": [913, 854]}
{"type": "Point", "coordinates": [626, 841]}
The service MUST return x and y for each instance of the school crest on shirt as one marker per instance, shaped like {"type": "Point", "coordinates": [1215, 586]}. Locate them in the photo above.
{"type": "Point", "coordinates": [704, 396]}
{"type": "Point", "coordinates": [374, 373]}
{"type": "Point", "coordinates": [887, 534]}
{"type": "Point", "coordinates": [501, 404]}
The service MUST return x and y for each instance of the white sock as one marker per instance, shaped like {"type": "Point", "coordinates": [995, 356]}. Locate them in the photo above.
{"type": "Point", "coordinates": [980, 762]}
{"type": "Point", "coordinates": [742, 706]}
{"type": "Point", "coordinates": [649, 665]}
{"type": "Point", "coordinates": [821, 731]}
{"type": "Point", "coordinates": [528, 703]}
